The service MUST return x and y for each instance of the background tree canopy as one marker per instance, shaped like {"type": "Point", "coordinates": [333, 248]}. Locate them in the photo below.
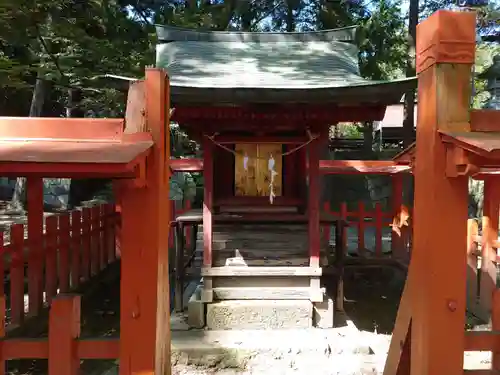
{"type": "Point", "coordinates": [68, 42]}
{"type": "Point", "coordinates": [64, 44]}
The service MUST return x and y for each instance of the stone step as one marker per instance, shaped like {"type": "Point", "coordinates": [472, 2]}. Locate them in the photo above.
{"type": "Point", "coordinates": [292, 236]}
{"type": "Point", "coordinates": [270, 245]}
{"type": "Point", "coordinates": [292, 262]}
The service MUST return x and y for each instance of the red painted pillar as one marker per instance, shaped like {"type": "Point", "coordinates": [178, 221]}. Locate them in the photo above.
{"type": "Point", "coordinates": [313, 204]}
{"type": "Point", "coordinates": [490, 234]}
{"type": "Point", "coordinates": [34, 195]}
{"type": "Point", "coordinates": [208, 175]}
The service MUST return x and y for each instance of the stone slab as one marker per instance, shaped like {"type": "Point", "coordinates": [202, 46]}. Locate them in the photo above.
{"type": "Point", "coordinates": [259, 314]}
{"type": "Point", "coordinates": [196, 310]}
{"type": "Point", "coordinates": [323, 313]}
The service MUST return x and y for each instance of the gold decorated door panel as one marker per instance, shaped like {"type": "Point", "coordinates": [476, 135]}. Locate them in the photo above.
{"type": "Point", "coordinates": [252, 175]}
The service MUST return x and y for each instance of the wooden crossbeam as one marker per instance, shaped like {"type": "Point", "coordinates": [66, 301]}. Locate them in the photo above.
{"type": "Point", "coordinates": [485, 120]}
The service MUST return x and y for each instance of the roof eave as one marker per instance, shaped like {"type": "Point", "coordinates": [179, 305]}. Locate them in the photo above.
{"type": "Point", "coordinates": [167, 33]}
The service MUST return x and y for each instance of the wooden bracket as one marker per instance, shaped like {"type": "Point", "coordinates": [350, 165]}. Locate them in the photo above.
{"type": "Point", "coordinates": [459, 162]}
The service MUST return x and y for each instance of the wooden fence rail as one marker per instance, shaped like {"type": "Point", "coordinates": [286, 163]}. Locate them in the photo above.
{"type": "Point", "coordinates": [74, 247]}
{"type": "Point", "coordinates": [361, 219]}
{"type": "Point", "coordinates": [63, 348]}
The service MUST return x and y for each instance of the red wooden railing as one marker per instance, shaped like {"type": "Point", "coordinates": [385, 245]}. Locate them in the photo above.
{"type": "Point", "coordinates": [175, 213]}
{"type": "Point", "coordinates": [74, 247]}
{"type": "Point", "coordinates": [361, 219]}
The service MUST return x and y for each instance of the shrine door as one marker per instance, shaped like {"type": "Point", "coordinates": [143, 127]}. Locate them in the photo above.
{"type": "Point", "coordinates": [254, 180]}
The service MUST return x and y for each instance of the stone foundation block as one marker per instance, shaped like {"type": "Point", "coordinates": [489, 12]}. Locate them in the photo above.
{"type": "Point", "coordinates": [196, 310]}
{"type": "Point", "coordinates": [259, 314]}
{"type": "Point", "coordinates": [324, 313]}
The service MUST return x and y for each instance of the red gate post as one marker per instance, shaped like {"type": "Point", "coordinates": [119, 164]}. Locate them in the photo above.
{"type": "Point", "coordinates": [64, 328]}
{"type": "Point", "coordinates": [488, 252]}
{"type": "Point", "coordinates": [145, 302]}
{"type": "Point", "coordinates": [437, 272]}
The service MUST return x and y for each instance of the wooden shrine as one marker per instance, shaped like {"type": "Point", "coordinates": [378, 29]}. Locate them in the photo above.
{"type": "Point", "coordinates": [263, 127]}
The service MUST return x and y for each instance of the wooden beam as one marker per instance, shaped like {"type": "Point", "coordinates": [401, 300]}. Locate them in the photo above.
{"type": "Point", "coordinates": [61, 128]}
{"type": "Point", "coordinates": [445, 54]}
{"type": "Point", "coordinates": [67, 170]}
{"type": "Point", "coordinates": [144, 301]}
{"type": "Point", "coordinates": [485, 120]}
{"type": "Point", "coordinates": [233, 139]}
{"type": "Point", "coordinates": [254, 201]}
{"type": "Point", "coordinates": [362, 167]}
{"type": "Point", "coordinates": [260, 271]}
{"type": "Point", "coordinates": [326, 114]}
{"type": "Point", "coordinates": [397, 362]}
{"type": "Point", "coordinates": [186, 165]}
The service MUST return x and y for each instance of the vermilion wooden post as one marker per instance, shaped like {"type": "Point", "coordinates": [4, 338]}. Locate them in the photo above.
{"type": "Point", "coordinates": [64, 259]}
{"type": "Point", "coordinates": [34, 197]}
{"type": "Point", "coordinates": [64, 328]}
{"type": "Point", "coordinates": [101, 239]}
{"type": "Point", "coordinates": [16, 274]}
{"type": "Point", "coordinates": [2, 331]}
{"type": "Point", "coordinates": [145, 302]}
{"type": "Point", "coordinates": [51, 249]}
{"type": "Point", "coordinates": [472, 291]}
{"type": "Point", "coordinates": [313, 209]}
{"type": "Point", "coordinates": [171, 208]}
{"type": "Point", "coordinates": [86, 243]}
{"type": "Point", "coordinates": [343, 218]}
{"type": "Point", "coordinates": [445, 54]}
{"type": "Point", "coordinates": [208, 173]}
{"type": "Point", "coordinates": [488, 252]}
{"type": "Point", "coordinates": [76, 248]}
{"type": "Point", "coordinates": [396, 202]}
{"type": "Point", "coordinates": [495, 327]}
{"type": "Point", "coordinates": [106, 238]}
{"type": "Point", "coordinates": [3, 256]}
{"type": "Point", "coordinates": [361, 228]}
{"type": "Point", "coordinates": [313, 204]}
{"type": "Point", "coordinates": [112, 223]}
{"type": "Point", "coordinates": [378, 221]}
{"type": "Point", "coordinates": [327, 229]}
{"type": "Point", "coordinates": [188, 229]}
{"type": "Point", "coordinates": [95, 241]}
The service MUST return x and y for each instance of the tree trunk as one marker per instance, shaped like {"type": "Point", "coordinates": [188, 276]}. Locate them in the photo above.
{"type": "Point", "coordinates": [40, 94]}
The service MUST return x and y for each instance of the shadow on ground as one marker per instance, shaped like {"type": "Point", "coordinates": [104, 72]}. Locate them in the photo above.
{"type": "Point", "coordinates": [100, 317]}
{"type": "Point", "coordinates": [371, 297]}
{"type": "Point", "coordinates": [371, 302]}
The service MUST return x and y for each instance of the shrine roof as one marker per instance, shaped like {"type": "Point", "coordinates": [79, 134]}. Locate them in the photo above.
{"type": "Point", "coordinates": [240, 68]}
{"type": "Point", "coordinates": [70, 148]}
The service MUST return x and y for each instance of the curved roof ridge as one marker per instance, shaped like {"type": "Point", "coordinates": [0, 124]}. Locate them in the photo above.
{"type": "Point", "coordinates": [168, 33]}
